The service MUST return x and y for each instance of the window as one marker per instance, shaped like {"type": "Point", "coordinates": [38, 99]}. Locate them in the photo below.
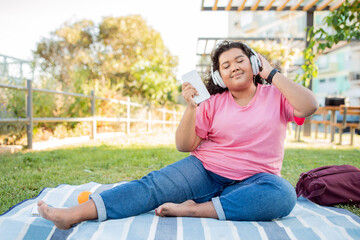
{"type": "Point", "coordinates": [323, 62]}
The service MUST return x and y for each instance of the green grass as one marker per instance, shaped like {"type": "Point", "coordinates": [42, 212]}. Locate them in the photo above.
{"type": "Point", "coordinates": [25, 174]}
{"type": "Point", "coordinates": [298, 160]}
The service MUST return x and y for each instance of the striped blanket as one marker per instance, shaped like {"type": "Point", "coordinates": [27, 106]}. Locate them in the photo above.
{"type": "Point", "coordinates": [306, 221]}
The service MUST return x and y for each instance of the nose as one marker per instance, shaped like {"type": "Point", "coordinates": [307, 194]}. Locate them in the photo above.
{"type": "Point", "coordinates": [235, 67]}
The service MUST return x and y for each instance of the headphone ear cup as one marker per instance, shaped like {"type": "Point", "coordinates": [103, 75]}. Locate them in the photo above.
{"type": "Point", "coordinates": [215, 78]}
{"type": "Point", "coordinates": [255, 61]}
{"type": "Point", "coordinates": [258, 60]}
{"type": "Point", "coordinates": [218, 79]}
{"type": "Point", "coordinates": [254, 65]}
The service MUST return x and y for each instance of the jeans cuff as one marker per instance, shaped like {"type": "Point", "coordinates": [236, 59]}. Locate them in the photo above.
{"type": "Point", "coordinates": [218, 208]}
{"type": "Point", "coordinates": [100, 206]}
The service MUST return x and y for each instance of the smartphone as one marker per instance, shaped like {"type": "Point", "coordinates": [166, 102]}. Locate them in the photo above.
{"type": "Point", "coordinates": [195, 80]}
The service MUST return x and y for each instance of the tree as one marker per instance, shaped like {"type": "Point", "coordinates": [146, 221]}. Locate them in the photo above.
{"type": "Point", "coordinates": [136, 59]}
{"type": "Point", "coordinates": [281, 55]}
{"type": "Point", "coordinates": [344, 25]}
{"type": "Point", "coordinates": [66, 52]}
{"type": "Point", "coordinates": [121, 55]}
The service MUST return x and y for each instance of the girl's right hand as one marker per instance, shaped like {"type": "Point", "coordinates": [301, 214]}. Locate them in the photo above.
{"type": "Point", "coordinates": [188, 93]}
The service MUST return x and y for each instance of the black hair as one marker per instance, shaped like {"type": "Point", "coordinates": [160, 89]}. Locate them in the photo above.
{"type": "Point", "coordinates": [215, 54]}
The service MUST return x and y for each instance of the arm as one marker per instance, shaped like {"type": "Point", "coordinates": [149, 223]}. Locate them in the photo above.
{"type": "Point", "coordinates": [302, 99]}
{"type": "Point", "coordinates": [185, 138]}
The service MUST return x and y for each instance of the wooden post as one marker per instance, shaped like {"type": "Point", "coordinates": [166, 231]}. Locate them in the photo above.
{"type": "Point", "coordinates": [309, 24]}
{"type": "Point", "coordinates": [29, 114]}
{"type": "Point", "coordinates": [93, 127]}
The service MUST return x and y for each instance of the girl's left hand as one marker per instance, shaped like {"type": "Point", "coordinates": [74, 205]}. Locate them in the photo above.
{"type": "Point", "coordinates": [266, 67]}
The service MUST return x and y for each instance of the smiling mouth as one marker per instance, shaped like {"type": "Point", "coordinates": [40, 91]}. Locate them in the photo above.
{"type": "Point", "coordinates": [237, 75]}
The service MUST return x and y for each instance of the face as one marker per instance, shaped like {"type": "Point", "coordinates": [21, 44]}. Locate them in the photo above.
{"type": "Point", "coordinates": [235, 69]}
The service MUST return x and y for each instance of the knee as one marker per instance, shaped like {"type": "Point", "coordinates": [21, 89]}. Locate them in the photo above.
{"type": "Point", "coordinates": [268, 199]}
{"type": "Point", "coordinates": [283, 199]}
{"type": "Point", "coordinates": [287, 199]}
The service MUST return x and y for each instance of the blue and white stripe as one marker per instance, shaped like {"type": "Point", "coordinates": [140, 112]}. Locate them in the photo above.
{"type": "Point", "coordinates": [306, 221]}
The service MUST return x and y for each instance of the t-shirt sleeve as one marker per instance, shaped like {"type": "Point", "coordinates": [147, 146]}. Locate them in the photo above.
{"type": "Point", "coordinates": [289, 112]}
{"type": "Point", "coordinates": [203, 119]}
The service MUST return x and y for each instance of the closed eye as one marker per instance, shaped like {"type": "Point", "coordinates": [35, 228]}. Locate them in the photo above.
{"type": "Point", "coordinates": [240, 58]}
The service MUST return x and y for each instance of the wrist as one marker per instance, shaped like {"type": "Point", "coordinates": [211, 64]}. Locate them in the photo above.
{"type": "Point", "coordinates": [192, 106]}
{"type": "Point", "coordinates": [271, 75]}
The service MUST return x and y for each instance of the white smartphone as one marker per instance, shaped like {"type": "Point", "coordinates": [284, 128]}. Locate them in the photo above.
{"type": "Point", "coordinates": [195, 80]}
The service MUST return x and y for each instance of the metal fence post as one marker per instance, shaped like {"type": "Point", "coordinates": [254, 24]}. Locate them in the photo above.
{"type": "Point", "coordinates": [29, 114]}
{"type": "Point", "coordinates": [93, 127]}
{"type": "Point", "coordinates": [128, 119]}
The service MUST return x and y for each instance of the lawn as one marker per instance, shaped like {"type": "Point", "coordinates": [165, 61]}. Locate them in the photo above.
{"type": "Point", "coordinates": [25, 174]}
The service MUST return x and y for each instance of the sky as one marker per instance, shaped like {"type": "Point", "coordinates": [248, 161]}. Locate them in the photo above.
{"type": "Point", "coordinates": [23, 23]}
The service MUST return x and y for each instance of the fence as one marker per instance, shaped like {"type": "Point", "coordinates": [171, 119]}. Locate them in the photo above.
{"type": "Point", "coordinates": [30, 120]}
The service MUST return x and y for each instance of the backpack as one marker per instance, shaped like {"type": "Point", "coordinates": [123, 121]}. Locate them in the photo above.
{"type": "Point", "coordinates": [330, 185]}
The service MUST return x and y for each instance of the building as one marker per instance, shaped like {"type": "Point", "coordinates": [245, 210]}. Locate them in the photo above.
{"type": "Point", "coordinates": [339, 72]}
{"type": "Point", "coordinates": [14, 71]}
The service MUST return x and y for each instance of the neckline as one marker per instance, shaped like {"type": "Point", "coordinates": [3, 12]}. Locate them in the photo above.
{"type": "Point", "coordinates": [251, 101]}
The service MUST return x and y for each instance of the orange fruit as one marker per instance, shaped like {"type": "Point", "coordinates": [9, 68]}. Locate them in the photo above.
{"type": "Point", "coordinates": [83, 197]}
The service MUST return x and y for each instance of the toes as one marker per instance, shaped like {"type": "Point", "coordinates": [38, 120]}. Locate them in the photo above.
{"type": "Point", "coordinates": [43, 209]}
{"type": "Point", "coordinates": [41, 202]}
{"type": "Point", "coordinates": [159, 212]}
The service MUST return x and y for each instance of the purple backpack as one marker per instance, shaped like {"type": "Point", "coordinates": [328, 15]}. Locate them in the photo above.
{"type": "Point", "coordinates": [330, 185]}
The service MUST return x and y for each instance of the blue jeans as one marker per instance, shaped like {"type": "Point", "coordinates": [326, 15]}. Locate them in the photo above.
{"type": "Point", "coordinates": [261, 197]}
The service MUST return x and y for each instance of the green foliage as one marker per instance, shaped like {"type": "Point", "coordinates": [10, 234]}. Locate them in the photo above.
{"type": "Point", "coordinates": [68, 50]}
{"type": "Point", "coordinates": [280, 55]}
{"type": "Point", "coordinates": [12, 105]}
{"type": "Point", "coordinates": [120, 57]}
{"type": "Point", "coordinates": [121, 54]}
{"type": "Point", "coordinates": [344, 25]}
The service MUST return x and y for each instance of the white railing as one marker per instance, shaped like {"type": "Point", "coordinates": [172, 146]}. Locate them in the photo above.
{"type": "Point", "coordinates": [30, 120]}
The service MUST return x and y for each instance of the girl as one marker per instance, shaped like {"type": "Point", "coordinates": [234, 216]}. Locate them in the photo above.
{"type": "Point", "coordinates": [236, 140]}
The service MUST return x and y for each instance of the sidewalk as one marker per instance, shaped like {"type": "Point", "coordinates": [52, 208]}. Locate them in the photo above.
{"type": "Point", "coordinates": [321, 142]}
{"type": "Point", "coordinates": [166, 137]}
{"type": "Point", "coordinates": [163, 137]}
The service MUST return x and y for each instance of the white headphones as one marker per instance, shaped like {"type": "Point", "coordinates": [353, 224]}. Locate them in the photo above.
{"type": "Point", "coordinates": [255, 65]}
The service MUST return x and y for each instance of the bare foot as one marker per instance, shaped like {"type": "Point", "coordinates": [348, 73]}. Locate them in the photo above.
{"type": "Point", "coordinates": [61, 217]}
{"type": "Point", "coordinates": [185, 209]}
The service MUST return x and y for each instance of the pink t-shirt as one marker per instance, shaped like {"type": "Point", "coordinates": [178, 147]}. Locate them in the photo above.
{"type": "Point", "coordinates": [239, 142]}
